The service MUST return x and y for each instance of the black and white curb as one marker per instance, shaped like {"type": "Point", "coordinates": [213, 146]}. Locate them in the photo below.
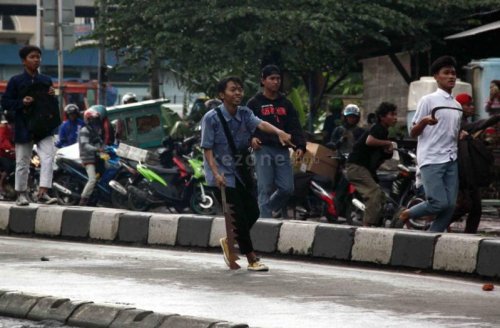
{"type": "Point", "coordinates": [402, 248]}
{"type": "Point", "coordinates": [92, 315]}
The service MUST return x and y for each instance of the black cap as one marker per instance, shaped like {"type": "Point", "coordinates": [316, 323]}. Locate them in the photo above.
{"type": "Point", "coordinates": [269, 70]}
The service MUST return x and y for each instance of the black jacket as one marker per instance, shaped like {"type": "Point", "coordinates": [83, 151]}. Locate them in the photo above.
{"type": "Point", "coordinates": [41, 118]}
{"type": "Point", "coordinates": [280, 113]}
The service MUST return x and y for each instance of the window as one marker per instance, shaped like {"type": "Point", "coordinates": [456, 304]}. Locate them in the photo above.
{"type": "Point", "coordinates": [147, 123]}
{"type": "Point", "coordinates": [6, 23]}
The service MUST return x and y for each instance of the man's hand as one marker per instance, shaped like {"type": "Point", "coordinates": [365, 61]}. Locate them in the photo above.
{"type": "Point", "coordinates": [220, 181]}
{"type": "Point", "coordinates": [256, 143]}
{"type": "Point", "coordinates": [52, 91]}
{"type": "Point", "coordinates": [389, 149]}
{"type": "Point", "coordinates": [285, 138]}
{"type": "Point", "coordinates": [428, 120]}
{"type": "Point", "coordinates": [299, 153]}
{"type": "Point", "coordinates": [28, 100]}
{"type": "Point", "coordinates": [463, 135]}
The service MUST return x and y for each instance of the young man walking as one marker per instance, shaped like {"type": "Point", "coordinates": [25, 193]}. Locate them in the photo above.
{"type": "Point", "coordinates": [369, 152]}
{"type": "Point", "coordinates": [221, 168]}
{"type": "Point", "coordinates": [31, 99]}
{"type": "Point", "coordinates": [437, 147]}
{"type": "Point", "coordinates": [272, 159]}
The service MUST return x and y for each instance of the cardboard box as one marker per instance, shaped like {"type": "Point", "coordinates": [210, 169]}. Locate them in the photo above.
{"type": "Point", "coordinates": [317, 159]}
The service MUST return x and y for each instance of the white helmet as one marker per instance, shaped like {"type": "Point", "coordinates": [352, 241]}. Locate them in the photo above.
{"type": "Point", "coordinates": [129, 98]}
{"type": "Point", "coordinates": [351, 109]}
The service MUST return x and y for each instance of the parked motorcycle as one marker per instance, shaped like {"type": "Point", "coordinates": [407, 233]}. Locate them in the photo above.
{"type": "Point", "coordinates": [33, 180]}
{"type": "Point", "coordinates": [70, 178]}
{"type": "Point", "coordinates": [178, 187]}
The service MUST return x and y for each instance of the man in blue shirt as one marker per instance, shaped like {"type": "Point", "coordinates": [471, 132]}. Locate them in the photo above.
{"type": "Point", "coordinates": [68, 131]}
{"type": "Point", "coordinates": [28, 95]}
{"type": "Point", "coordinates": [219, 164]}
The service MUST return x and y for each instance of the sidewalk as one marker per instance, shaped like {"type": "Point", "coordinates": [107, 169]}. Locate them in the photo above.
{"type": "Point", "coordinates": [489, 225]}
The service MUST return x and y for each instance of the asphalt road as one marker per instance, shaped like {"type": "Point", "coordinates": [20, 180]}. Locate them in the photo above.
{"type": "Point", "coordinates": [18, 323]}
{"type": "Point", "coordinates": [293, 294]}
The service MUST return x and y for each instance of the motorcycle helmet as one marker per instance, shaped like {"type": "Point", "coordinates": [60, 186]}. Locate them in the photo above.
{"type": "Point", "coordinates": [129, 98]}
{"type": "Point", "coordinates": [71, 109]}
{"type": "Point", "coordinates": [351, 109]}
{"type": "Point", "coordinates": [103, 113]}
{"type": "Point", "coordinates": [92, 117]}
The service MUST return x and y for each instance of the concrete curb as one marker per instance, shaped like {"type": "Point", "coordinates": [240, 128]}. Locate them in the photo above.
{"type": "Point", "coordinates": [402, 248]}
{"type": "Point", "coordinates": [92, 315]}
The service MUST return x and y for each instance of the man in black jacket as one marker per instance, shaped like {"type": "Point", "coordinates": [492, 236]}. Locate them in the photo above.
{"type": "Point", "coordinates": [30, 98]}
{"type": "Point", "coordinates": [272, 159]}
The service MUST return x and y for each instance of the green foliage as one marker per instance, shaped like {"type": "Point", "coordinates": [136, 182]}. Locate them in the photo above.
{"type": "Point", "coordinates": [203, 40]}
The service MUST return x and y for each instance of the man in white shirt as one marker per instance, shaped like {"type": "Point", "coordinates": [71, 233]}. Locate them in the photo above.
{"type": "Point", "coordinates": [437, 148]}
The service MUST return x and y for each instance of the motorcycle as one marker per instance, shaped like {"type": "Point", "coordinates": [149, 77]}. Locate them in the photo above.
{"type": "Point", "coordinates": [399, 188]}
{"type": "Point", "coordinates": [178, 187]}
{"type": "Point", "coordinates": [33, 180]}
{"type": "Point", "coordinates": [70, 178]}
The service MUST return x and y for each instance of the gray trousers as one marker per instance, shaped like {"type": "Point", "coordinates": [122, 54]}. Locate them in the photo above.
{"type": "Point", "coordinates": [371, 192]}
{"type": "Point", "coordinates": [46, 151]}
{"type": "Point", "coordinates": [90, 185]}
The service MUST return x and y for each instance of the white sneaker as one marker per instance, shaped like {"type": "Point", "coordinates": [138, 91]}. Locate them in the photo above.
{"type": "Point", "coordinates": [46, 199]}
{"type": "Point", "coordinates": [22, 200]}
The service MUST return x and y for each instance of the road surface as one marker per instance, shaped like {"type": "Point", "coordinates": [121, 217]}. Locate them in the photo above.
{"type": "Point", "coordinates": [293, 294]}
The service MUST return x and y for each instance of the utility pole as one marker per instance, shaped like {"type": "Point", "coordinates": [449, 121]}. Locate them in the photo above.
{"type": "Point", "coordinates": [60, 59]}
{"type": "Point", "coordinates": [101, 63]}
{"type": "Point", "coordinates": [58, 34]}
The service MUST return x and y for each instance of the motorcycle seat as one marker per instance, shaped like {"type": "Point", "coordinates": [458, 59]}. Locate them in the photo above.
{"type": "Point", "coordinates": [387, 175]}
{"type": "Point", "coordinates": [162, 170]}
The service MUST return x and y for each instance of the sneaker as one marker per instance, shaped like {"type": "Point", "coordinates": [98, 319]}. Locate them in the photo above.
{"type": "Point", "coordinates": [46, 199]}
{"type": "Point", "coordinates": [257, 266]}
{"type": "Point", "coordinates": [22, 200]}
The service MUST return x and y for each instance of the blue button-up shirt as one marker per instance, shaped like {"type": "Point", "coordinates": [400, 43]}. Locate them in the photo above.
{"type": "Point", "coordinates": [242, 126]}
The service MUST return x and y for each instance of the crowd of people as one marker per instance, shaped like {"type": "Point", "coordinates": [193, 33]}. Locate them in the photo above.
{"type": "Point", "coordinates": [265, 130]}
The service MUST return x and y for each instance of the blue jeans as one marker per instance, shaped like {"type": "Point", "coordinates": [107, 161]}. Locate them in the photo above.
{"type": "Point", "coordinates": [441, 189]}
{"type": "Point", "coordinates": [274, 178]}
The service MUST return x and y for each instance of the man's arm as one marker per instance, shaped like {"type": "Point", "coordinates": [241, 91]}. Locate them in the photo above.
{"type": "Point", "coordinates": [285, 138]}
{"type": "Point", "coordinates": [375, 142]}
{"type": "Point", "coordinates": [419, 127]}
{"type": "Point", "coordinates": [292, 125]}
{"type": "Point", "coordinates": [62, 136]}
{"type": "Point", "coordinates": [209, 157]}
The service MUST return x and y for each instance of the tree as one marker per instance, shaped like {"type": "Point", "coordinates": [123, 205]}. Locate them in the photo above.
{"type": "Point", "coordinates": [312, 40]}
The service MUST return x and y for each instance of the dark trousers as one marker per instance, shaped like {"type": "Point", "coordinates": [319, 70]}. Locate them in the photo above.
{"type": "Point", "coordinates": [469, 202]}
{"type": "Point", "coordinates": [246, 209]}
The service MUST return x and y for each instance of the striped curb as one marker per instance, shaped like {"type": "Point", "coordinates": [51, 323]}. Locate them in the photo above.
{"type": "Point", "coordinates": [402, 248]}
{"type": "Point", "coordinates": [92, 315]}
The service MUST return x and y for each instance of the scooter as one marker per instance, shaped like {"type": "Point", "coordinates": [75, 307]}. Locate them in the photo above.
{"type": "Point", "coordinates": [70, 178]}
{"type": "Point", "coordinates": [178, 187]}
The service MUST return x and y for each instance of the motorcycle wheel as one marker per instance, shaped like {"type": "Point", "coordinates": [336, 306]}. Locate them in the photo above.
{"type": "Point", "coordinates": [72, 184]}
{"type": "Point", "coordinates": [196, 201]}
{"type": "Point", "coordinates": [135, 203]}
{"type": "Point", "coordinates": [118, 200]}
{"type": "Point", "coordinates": [353, 215]}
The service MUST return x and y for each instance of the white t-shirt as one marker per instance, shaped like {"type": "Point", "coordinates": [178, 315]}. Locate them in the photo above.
{"type": "Point", "coordinates": [437, 144]}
